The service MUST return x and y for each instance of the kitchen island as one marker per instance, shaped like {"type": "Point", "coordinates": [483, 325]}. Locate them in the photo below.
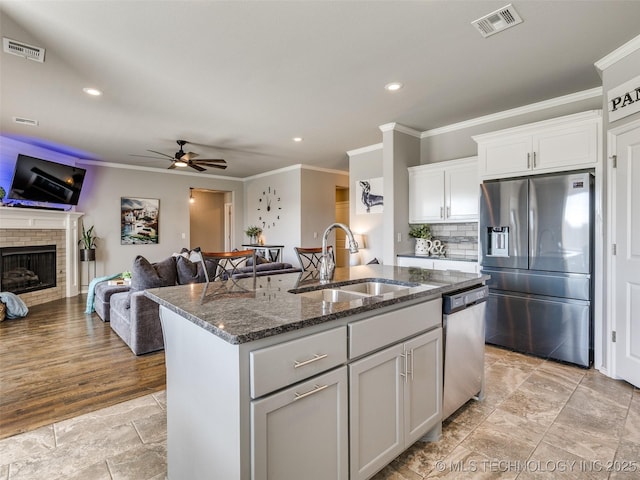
{"type": "Point", "coordinates": [282, 377]}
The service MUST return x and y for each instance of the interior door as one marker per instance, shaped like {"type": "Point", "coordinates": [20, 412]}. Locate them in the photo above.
{"type": "Point", "coordinates": [626, 212]}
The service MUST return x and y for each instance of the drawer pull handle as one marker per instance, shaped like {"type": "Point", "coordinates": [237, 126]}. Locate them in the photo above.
{"type": "Point", "coordinates": [315, 358]}
{"type": "Point", "coordinates": [316, 389]}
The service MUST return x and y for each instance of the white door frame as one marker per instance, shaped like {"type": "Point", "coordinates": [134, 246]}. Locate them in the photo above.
{"type": "Point", "coordinates": [228, 227]}
{"type": "Point", "coordinates": [612, 149]}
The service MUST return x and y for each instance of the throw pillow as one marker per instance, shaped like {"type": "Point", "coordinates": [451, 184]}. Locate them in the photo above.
{"type": "Point", "coordinates": [259, 261]}
{"type": "Point", "coordinates": [152, 275]}
{"type": "Point", "coordinates": [192, 272]}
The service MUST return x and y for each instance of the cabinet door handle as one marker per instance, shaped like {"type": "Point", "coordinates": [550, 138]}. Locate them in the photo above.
{"type": "Point", "coordinates": [528, 160]}
{"type": "Point", "coordinates": [315, 389]}
{"type": "Point", "coordinates": [315, 358]}
{"type": "Point", "coordinates": [534, 159]}
{"type": "Point", "coordinates": [410, 354]}
{"type": "Point", "coordinates": [448, 212]}
{"type": "Point", "coordinates": [404, 375]}
{"type": "Point", "coordinates": [441, 212]}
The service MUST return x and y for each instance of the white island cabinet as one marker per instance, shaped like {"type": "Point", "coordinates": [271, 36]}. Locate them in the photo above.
{"type": "Point", "coordinates": [278, 408]}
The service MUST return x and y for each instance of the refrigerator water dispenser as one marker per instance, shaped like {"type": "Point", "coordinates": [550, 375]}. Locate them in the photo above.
{"type": "Point", "coordinates": [498, 243]}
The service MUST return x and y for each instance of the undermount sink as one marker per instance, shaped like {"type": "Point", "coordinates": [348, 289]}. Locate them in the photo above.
{"type": "Point", "coordinates": [332, 295]}
{"type": "Point", "coordinates": [360, 290]}
{"type": "Point", "coordinates": [374, 288]}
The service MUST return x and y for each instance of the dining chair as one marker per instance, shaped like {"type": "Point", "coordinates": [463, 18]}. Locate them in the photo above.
{"type": "Point", "coordinates": [230, 264]}
{"type": "Point", "coordinates": [309, 258]}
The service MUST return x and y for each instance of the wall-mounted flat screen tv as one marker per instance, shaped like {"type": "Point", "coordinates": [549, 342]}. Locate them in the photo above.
{"type": "Point", "coordinates": [40, 180]}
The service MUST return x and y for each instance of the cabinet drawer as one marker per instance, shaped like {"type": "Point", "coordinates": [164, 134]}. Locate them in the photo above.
{"type": "Point", "coordinates": [290, 362]}
{"type": "Point", "coordinates": [376, 332]}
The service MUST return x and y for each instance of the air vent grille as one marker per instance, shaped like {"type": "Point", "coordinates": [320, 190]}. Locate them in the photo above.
{"type": "Point", "coordinates": [26, 121]}
{"type": "Point", "coordinates": [497, 21]}
{"type": "Point", "coordinates": [23, 50]}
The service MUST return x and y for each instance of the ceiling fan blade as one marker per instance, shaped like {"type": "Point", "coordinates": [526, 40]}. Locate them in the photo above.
{"type": "Point", "coordinates": [160, 153]}
{"type": "Point", "coordinates": [196, 167]}
{"type": "Point", "coordinates": [189, 156]}
{"type": "Point", "coordinates": [172, 166]}
{"type": "Point", "coordinates": [211, 160]}
{"type": "Point", "coordinates": [221, 167]}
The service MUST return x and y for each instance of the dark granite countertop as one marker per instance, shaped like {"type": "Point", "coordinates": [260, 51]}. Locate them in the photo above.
{"type": "Point", "coordinates": [240, 311]}
{"type": "Point", "coordinates": [452, 258]}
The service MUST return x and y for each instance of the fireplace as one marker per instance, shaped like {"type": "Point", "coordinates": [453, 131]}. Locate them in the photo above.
{"type": "Point", "coordinates": [27, 269]}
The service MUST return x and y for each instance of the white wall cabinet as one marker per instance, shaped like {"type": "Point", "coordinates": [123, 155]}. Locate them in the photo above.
{"type": "Point", "coordinates": [444, 192]}
{"type": "Point", "coordinates": [560, 144]}
{"type": "Point", "coordinates": [394, 399]}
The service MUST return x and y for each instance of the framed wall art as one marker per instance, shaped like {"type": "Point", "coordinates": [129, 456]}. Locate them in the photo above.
{"type": "Point", "coordinates": [369, 196]}
{"type": "Point", "coordinates": [139, 220]}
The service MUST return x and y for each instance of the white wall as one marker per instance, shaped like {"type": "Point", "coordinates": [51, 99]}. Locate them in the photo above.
{"type": "Point", "coordinates": [362, 166]}
{"type": "Point", "coordinates": [286, 231]}
{"type": "Point", "coordinates": [307, 199]}
{"type": "Point", "coordinates": [400, 151]}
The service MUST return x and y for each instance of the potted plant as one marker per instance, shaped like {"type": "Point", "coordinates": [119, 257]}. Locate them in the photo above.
{"type": "Point", "coordinates": [422, 234]}
{"type": "Point", "coordinates": [88, 243]}
{"type": "Point", "coordinates": [2, 194]}
{"type": "Point", "coordinates": [253, 232]}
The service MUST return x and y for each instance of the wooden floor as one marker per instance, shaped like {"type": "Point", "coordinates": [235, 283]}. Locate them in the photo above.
{"type": "Point", "coordinates": [57, 363]}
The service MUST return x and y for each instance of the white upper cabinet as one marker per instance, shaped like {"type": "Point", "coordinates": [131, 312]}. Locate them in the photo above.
{"type": "Point", "coordinates": [560, 144]}
{"type": "Point", "coordinates": [444, 192]}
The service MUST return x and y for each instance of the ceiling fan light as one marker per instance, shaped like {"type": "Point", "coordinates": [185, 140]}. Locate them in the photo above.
{"type": "Point", "coordinates": [180, 163]}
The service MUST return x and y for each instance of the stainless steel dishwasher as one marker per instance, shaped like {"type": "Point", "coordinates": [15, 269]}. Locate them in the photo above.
{"type": "Point", "coordinates": [463, 324]}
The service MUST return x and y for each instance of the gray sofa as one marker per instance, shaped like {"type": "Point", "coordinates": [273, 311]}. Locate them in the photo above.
{"type": "Point", "coordinates": [136, 319]}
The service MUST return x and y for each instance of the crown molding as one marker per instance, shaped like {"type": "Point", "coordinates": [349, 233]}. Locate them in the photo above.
{"type": "Point", "coordinates": [399, 128]}
{"type": "Point", "coordinates": [290, 168]}
{"type": "Point", "coordinates": [367, 149]}
{"type": "Point", "coordinates": [514, 112]}
{"type": "Point", "coordinates": [155, 170]}
{"type": "Point", "coordinates": [618, 54]}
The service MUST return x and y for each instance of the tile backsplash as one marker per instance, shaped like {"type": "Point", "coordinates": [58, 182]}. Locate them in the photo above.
{"type": "Point", "coordinates": [461, 239]}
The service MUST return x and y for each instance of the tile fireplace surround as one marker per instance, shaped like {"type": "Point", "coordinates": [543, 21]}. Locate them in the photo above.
{"type": "Point", "coordinates": [25, 226]}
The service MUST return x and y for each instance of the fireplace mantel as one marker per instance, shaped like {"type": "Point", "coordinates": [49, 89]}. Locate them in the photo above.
{"type": "Point", "coordinates": [12, 218]}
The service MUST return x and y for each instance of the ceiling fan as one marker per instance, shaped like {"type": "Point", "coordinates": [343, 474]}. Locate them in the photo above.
{"type": "Point", "coordinates": [187, 159]}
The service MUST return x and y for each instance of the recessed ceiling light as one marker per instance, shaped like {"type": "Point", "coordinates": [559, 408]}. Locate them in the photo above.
{"type": "Point", "coordinates": [92, 91]}
{"type": "Point", "coordinates": [297, 139]}
{"type": "Point", "coordinates": [393, 86]}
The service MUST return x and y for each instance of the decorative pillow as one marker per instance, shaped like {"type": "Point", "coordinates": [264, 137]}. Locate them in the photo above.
{"type": "Point", "coordinates": [259, 261]}
{"type": "Point", "coordinates": [373, 262]}
{"type": "Point", "coordinates": [147, 275]}
{"type": "Point", "coordinates": [192, 272]}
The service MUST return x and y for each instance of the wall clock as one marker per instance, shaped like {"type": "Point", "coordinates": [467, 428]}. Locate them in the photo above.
{"type": "Point", "coordinates": [269, 208]}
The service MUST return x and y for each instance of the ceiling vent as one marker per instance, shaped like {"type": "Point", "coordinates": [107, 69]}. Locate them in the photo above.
{"type": "Point", "coordinates": [497, 21]}
{"type": "Point", "coordinates": [23, 50]}
{"type": "Point", "coordinates": [25, 121]}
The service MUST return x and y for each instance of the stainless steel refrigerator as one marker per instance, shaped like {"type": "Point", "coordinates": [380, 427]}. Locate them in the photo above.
{"type": "Point", "coordinates": [536, 242]}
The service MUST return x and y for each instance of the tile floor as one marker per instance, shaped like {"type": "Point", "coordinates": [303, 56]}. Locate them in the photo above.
{"type": "Point", "coordinates": [539, 419]}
